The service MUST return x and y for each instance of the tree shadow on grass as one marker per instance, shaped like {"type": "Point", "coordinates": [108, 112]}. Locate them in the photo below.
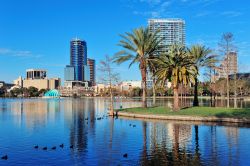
{"type": "Point", "coordinates": [245, 113]}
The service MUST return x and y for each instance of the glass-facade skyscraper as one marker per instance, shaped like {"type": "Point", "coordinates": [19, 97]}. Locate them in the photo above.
{"type": "Point", "coordinates": [69, 73]}
{"type": "Point", "coordinates": [78, 58]}
{"type": "Point", "coordinates": [171, 30]}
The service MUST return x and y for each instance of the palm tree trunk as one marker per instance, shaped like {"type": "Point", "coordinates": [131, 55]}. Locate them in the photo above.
{"type": "Point", "coordinates": [154, 91]}
{"type": "Point", "coordinates": [176, 99]}
{"type": "Point", "coordinates": [176, 141]}
{"type": "Point", "coordinates": [196, 101]}
{"type": "Point", "coordinates": [144, 85]}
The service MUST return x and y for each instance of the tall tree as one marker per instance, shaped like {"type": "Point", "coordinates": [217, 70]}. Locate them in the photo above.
{"type": "Point", "coordinates": [202, 58]}
{"type": "Point", "coordinates": [226, 46]}
{"type": "Point", "coordinates": [177, 66]}
{"type": "Point", "coordinates": [109, 77]}
{"type": "Point", "coordinates": [139, 47]}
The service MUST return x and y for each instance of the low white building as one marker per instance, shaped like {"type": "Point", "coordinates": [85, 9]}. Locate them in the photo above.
{"type": "Point", "coordinates": [127, 85]}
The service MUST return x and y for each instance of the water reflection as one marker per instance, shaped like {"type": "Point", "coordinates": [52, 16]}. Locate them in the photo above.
{"type": "Point", "coordinates": [104, 141]}
{"type": "Point", "coordinates": [31, 113]}
{"type": "Point", "coordinates": [168, 145]}
{"type": "Point", "coordinates": [78, 127]}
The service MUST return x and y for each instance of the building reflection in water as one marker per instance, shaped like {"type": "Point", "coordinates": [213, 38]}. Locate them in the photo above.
{"type": "Point", "coordinates": [105, 141]}
{"type": "Point", "coordinates": [35, 113]}
{"type": "Point", "coordinates": [75, 113]}
{"type": "Point", "coordinates": [232, 135]}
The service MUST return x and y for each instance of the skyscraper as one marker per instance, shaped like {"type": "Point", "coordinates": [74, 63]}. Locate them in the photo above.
{"type": "Point", "coordinates": [69, 73]}
{"type": "Point", "coordinates": [91, 64]}
{"type": "Point", "coordinates": [171, 30]}
{"type": "Point", "coordinates": [78, 57]}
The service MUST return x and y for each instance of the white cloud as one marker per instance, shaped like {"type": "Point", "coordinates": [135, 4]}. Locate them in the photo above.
{"type": "Point", "coordinates": [199, 2]}
{"type": "Point", "coordinates": [203, 14]}
{"type": "Point", "coordinates": [166, 4]}
{"type": "Point", "coordinates": [158, 8]}
{"type": "Point", "coordinates": [154, 2]}
{"type": "Point", "coordinates": [231, 13]}
{"type": "Point", "coordinates": [18, 53]}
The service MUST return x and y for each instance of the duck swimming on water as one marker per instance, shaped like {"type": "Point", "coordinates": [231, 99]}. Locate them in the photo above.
{"type": "Point", "coordinates": [5, 157]}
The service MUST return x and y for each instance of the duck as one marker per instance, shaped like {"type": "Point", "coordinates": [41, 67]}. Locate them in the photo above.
{"type": "Point", "coordinates": [130, 124]}
{"type": "Point", "coordinates": [36, 147]}
{"type": "Point", "coordinates": [45, 148]}
{"type": "Point", "coordinates": [61, 146]}
{"type": "Point", "coordinates": [134, 125]}
{"type": "Point", "coordinates": [125, 155]}
{"type": "Point", "coordinates": [53, 148]}
{"type": "Point", "coordinates": [98, 118]}
{"type": "Point", "coordinates": [5, 157]}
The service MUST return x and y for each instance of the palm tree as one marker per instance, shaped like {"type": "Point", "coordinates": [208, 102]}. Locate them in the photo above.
{"type": "Point", "coordinates": [177, 66]}
{"type": "Point", "coordinates": [152, 69]}
{"type": "Point", "coordinates": [202, 58]}
{"type": "Point", "coordinates": [140, 46]}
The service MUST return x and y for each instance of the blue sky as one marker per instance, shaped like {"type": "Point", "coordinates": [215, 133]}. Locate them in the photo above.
{"type": "Point", "coordinates": [36, 33]}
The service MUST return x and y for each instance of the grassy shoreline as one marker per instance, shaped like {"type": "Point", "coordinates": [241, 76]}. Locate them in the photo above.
{"type": "Point", "coordinates": [192, 111]}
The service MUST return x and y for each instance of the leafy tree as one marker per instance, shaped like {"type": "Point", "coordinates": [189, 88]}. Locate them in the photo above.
{"type": "Point", "coordinates": [226, 46]}
{"type": "Point", "coordinates": [136, 92]}
{"type": "Point", "coordinates": [109, 77]}
{"type": "Point", "coordinates": [33, 91]}
{"type": "Point", "coordinates": [42, 91]}
{"type": "Point", "coordinates": [2, 91]}
{"type": "Point", "coordinates": [16, 92]}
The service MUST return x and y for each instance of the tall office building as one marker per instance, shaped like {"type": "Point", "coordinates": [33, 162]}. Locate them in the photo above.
{"type": "Point", "coordinates": [81, 71]}
{"type": "Point", "coordinates": [91, 64]}
{"type": "Point", "coordinates": [78, 58]}
{"type": "Point", "coordinates": [229, 65]}
{"type": "Point", "coordinates": [69, 73]}
{"type": "Point", "coordinates": [171, 30]}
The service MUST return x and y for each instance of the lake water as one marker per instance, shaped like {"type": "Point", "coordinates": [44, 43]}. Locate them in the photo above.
{"type": "Point", "coordinates": [25, 123]}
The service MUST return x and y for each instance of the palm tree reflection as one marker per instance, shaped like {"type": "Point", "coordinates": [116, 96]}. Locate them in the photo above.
{"type": "Point", "coordinates": [169, 147]}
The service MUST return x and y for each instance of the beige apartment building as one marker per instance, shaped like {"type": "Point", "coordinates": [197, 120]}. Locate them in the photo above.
{"type": "Point", "coordinates": [38, 78]}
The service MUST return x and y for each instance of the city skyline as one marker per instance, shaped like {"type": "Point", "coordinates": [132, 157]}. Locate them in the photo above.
{"type": "Point", "coordinates": [35, 36]}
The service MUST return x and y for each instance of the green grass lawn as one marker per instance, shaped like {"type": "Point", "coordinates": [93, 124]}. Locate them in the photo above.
{"type": "Point", "coordinates": [194, 111]}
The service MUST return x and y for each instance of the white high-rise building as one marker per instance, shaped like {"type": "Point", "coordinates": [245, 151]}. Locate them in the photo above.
{"type": "Point", "coordinates": [171, 30]}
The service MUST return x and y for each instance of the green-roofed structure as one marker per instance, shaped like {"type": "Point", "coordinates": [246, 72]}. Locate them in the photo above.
{"type": "Point", "coordinates": [52, 94]}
